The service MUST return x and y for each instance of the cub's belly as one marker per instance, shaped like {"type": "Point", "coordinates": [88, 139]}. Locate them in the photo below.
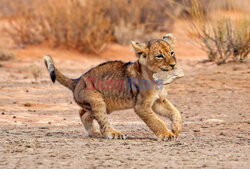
{"type": "Point", "coordinates": [118, 100]}
{"type": "Point", "coordinates": [118, 104]}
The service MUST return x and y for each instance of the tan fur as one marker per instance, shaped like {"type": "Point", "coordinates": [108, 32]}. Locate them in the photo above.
{"type": "Point", "coordinates": [97, 102]}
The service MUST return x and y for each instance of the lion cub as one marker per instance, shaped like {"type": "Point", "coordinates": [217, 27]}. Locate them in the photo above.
{"type": "Point", "coordinates": [116, 85]}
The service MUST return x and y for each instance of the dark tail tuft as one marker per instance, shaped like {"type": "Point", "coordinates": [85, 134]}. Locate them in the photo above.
{"type": "Point", "coordinates": [57, 75]}
{"type": "Point", "coordinates": [53, 76]}
{"type": "Point", "coordinates": [50, 66]}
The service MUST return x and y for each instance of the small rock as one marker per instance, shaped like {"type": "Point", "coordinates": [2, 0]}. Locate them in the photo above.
{"type": "Point", "coordinates": [222, 134]}
{"type": "Point", "coordinates": [196, 130]}
{"type": "Point", "coordinates": [214, 121]}
{"type": "Point", "coordinates": [3, 113]}
{"type": "Point", "coordinates": [48, 134]}
{"type": "Point", "coordinates": [49, 122]}
{"type": "Point", "coordinates": [27, 104]}
{"type": "Point", "coordinates": [204, 165]}
{"type": "Point", "coordinates": [31, 150]}
{"type": "Point", "coordinates": [27, 91]}
{"type": "Point", "coordinates": [204, 127]}
{"type": "Point", "coordinates": [14, 117]}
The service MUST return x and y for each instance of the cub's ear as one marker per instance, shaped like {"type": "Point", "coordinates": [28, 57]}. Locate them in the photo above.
{"type": "Point", "coordinates": [170, 39]}
{"type": "Point", "coordinates": [139, 48]}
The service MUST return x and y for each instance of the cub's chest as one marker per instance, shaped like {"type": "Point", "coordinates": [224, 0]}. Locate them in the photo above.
{"type": "Point", "coordinates": [163, 92]}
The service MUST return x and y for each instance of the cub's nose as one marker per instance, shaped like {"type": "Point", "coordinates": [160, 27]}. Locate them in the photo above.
{"type": "Point", "coordinates": [172, 65]}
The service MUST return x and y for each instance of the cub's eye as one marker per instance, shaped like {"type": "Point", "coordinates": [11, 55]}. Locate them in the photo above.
{"type": "Point", "coordinates": [160, 56]}
{"type": "Point", "coordinates": [172, 53]}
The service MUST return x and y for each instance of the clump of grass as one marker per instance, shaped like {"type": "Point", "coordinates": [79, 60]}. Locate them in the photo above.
{"type": "Point", "coordinates": [224, 39]}
{"type": "Point", "coordinates": [5, 55]}
{"type": "Point", "coordinates": [36, 71]}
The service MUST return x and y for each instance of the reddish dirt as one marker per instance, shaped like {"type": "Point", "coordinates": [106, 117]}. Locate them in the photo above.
{"type": "Point", "coordinates": [41, 128]}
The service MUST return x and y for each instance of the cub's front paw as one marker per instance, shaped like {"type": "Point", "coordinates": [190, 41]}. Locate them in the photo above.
{"type": "Point", "coordinates": [167, 136]}
{"type": "Point", "coordinates": [113, 134]}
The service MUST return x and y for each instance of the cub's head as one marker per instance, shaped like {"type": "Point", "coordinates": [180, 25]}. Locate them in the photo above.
{"type": "Point", "coordinates": [158, 54]}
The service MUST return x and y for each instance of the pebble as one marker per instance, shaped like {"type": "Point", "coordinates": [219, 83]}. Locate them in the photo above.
{"type": "Point", "coordinates": [3, 113]}
{"type": "Point", "coordinates": [222, 134]}
{"type": "Point", "coordinates": [196, 130]}
{"type": "Point", "coordinates": [214, 121]}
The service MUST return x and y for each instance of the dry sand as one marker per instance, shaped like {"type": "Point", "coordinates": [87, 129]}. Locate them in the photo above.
{"type": "Point", "coordinates": [41, 128]}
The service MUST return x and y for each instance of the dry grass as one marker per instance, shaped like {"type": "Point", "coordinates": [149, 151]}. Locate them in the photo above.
{"type": "Point", "coordinates": [87, 26]}
{"type": "Point", "coordinates": [210, 6]}
{"type": "Point", "coordinates": [90, 25]}
{"type": "Point", "coordinates": [62, 23]}
{"type": "Point", "coordinates": [223, 38]}
{"type": "Point", "coordinates": [5, 55]}
{"type": "Point", "coordinates": [35, 71]}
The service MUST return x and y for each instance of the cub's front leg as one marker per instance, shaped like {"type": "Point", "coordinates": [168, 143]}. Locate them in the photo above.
{"type": "Point", "coordinates": [164, 108]}
{"type": "Point", "coordinates": [144, 111]}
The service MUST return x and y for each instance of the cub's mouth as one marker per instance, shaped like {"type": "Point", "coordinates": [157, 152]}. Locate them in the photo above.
{"type": "Point", "coordinates": [165, 70]}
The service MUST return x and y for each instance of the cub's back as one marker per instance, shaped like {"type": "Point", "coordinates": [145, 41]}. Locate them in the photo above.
{"type": "Point", "coordinates": [111, 70]}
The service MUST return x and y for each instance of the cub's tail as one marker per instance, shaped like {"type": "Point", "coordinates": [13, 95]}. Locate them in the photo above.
{"type": "Point", "coordinates": [57, 75]}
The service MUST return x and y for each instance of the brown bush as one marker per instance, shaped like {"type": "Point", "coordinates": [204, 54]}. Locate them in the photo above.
{"type": "Point", "coordinates": [5, 55]}
{"type": "Point", "coordinates": [223, 39]}
{"type": "Point", "coordinates": [87, 25]}
{"type": "Point", "coordinates": [63, 23]}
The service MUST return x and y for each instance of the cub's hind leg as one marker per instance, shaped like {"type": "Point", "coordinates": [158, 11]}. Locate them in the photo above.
{"type": "Point", "coordinates": [88, 123]}
{"type": "Point", "coordinates": [99, 113]}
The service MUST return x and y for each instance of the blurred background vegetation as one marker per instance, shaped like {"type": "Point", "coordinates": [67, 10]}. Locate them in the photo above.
{"type": "Point", "coordinates": [219, 27]}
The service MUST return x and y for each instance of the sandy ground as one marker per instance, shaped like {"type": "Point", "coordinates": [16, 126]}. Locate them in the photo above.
{"type": "Point", "coordinates": [40, 126]}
